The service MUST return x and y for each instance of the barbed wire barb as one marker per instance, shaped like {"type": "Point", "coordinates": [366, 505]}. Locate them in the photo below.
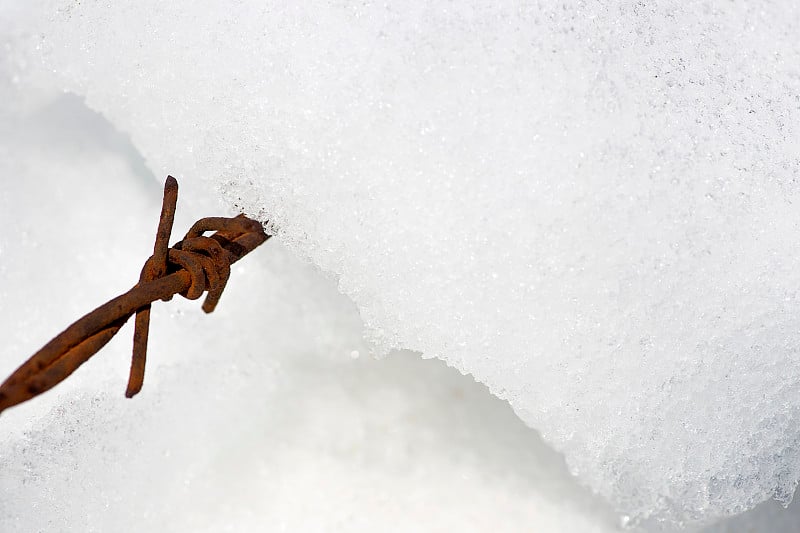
{"type": "Point", "coordinates": [195, 265]}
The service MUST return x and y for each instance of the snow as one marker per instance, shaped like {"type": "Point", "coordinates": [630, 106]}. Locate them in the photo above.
{"type": "Point", "coordinates": [256, 417]}
{"type": "Point", "coordinates": [590, 209]}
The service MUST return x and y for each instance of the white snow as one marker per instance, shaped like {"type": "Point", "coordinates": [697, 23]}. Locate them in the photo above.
{"type": "Point", "coordinates": [590, 209]}
{"type": "Point", "coordinates": [254, 418]}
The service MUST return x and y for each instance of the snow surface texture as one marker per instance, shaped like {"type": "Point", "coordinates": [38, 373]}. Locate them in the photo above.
{"type": "Point", "coordinates": [259, 428]}
{"type": "Point", "coordinates": [261, 417]}
{"type": "Point", "coordinates": [592, 210]}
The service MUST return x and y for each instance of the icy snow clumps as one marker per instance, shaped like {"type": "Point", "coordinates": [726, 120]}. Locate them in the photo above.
{"type": "Point", "coordinates": [591, 209]}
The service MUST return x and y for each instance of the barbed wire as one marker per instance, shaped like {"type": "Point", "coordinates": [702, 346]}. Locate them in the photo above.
{"type": "Point", "coordinates": [195, 265]}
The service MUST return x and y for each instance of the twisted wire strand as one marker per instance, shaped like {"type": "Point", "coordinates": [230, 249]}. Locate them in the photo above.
{"type": "Point", "coordinates": [195, 265]}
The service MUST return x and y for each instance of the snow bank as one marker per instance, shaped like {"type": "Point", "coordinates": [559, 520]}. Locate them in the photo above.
{"type": "Point", "coordinates": [264, 416]}
{"type": "Point", "coordinates": [590, 209]}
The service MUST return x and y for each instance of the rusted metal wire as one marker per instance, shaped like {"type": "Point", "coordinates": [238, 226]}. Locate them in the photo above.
{"type": "Point", "coordinates": [195, 265]}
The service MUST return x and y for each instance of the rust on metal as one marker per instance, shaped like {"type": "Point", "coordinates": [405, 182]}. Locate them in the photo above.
{"type": "Point", "coordinates": [195, 265]}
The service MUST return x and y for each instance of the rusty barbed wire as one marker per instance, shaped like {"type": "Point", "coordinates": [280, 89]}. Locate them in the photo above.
{"type": "Point", "coordinates": [195, 265]}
